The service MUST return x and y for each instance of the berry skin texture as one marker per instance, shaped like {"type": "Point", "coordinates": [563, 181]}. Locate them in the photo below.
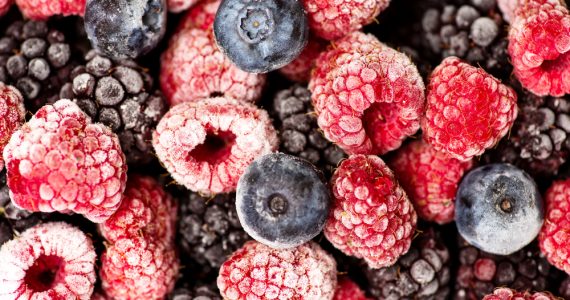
{"type": "Point", "coordinates": [430, 178]}
{"type": "Point", "coordinates": [299, 70]}
{"type": "Point", "coordinates": [257, 271]}
{"type": "Point", "coordinates": [368, 97]}
{"type": "Point", "coordinates": [467, 111]}
{"type": "Point", "coordinates": [146, 209]}
{"type": "Point", "coordinates": [59, 161]}
{"type": "Point", "coordinates": [554, 238]}
{"type": "Point", "coordinates": [176, 6]}
{"type": "Point", "coordinates": [539, 45]}
{"type": "Point", "coordinates": [12, 113]}
{"type": "Point", "coordinates": [42, 9]}
{"type": "Point", "coordinates": [207, 145]}
{"type": "Point", "coordinates": [193, 68]}
{"type": "Point", "coordinates": [371, 216]}
{"type": "Point", "coordinates": [58, 249]}
{"type": "Point", "coordinates": [331, 20]}
{"type": "Point", "coordinates": [200, 16]}
{"type": "Point", "coordinates": [348, 290]}
{"type": "Point", "coordinates": [508, 294]}
{"type": "Point", "coordinates": [508, 8]}
{"type": "Point", "coordinates": [136, 268]}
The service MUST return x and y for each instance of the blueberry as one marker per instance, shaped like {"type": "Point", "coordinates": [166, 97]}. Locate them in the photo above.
{"type": "Point", "coordinates": [261, 36]}
{"type": "Point", "coordinates": [123, 29]}
{"type": "Point", "coordinates": [281, 200]}
{"type": "Point", "coordinates": [498, 209]}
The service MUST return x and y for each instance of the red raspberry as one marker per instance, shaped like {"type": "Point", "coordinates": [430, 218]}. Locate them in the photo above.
{"type": "Point", "coordinates": [468, 110]}
{"type": "Point", "coordinates": [201, 16]}
{"type": "Point", "coordinates": [539, 44]}
{"type": "Point", "coordinates": [146, 209]}
{"type": "Point", "coordinates": [257, 271]}
{"type": "Point", "coordinates": [371, 217]}
{"type": "Point", "coordinates": [368, 97]}
{"type": "Point", "coordinates": [5, 6]}
{"type": "Point", "coordinates": [348, 290]}
{"type": "Point", "coordinates": [48, 261]}
{"type": "Point", "coordinates": [43, 9]}
{"type": "Point", "coordinates": [300, 69]}
{"type": "Point", "coordinates": [12, 113]}
{"type": "Point", "coordinates": [193, 68]}
{"type": "Point", "coordinates": [207, 145]}
{"type": "Point", "coordinates": [554, 237]}
{"type": "Point", "coordinates": [508, 294]}
{"type": "Point", "coordinates": [508, 8]}
{"type": "Point", "coordinates": [135, 268]}
{"type": "Point", "coordinates": [334, 19]}
{"type": "Point", "coordinates": [430, 178]}
{"type": "Point", "coordinates": [176, 6]}
{"type": "Point", "coordinates": [59, 161]}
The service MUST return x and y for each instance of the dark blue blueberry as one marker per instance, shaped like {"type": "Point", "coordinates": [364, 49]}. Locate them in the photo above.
{"type": "Point", "coordinates": [498, 209]}
{"type": "Point", "coordinates": [281, 200]}
{"type": "Point", "coordinates": [123, 29]}
{"type": "Point", "coordinates": [261, 36]}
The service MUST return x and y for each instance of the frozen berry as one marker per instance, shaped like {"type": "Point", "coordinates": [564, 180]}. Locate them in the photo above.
{"type": "Point", "coordinates": [176, 6]}
{"type": "Point", "coordinates": [42, 9]}
{"type": "Point", "coordinates": [509, 294]}
{"type": "Point", "coordinates": [12, 114]}
{"type": "Point", "coordinates": [348, 290]}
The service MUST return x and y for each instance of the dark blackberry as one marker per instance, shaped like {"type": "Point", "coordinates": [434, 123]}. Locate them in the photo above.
{"type": "Point", "coordinates": [480, 272]}
{"type": "Point", "coordinates": [299, 133]}
{"type": "Point", "coordinates": [422, 273]}
{"type": "Point", "coordinates": [197, 292]}
{"type": "Point", "coordinates": [209, 229]}
{"type": "Point", "coordinates": [563, 290]}
{"type": "Point", "coordinates": [36, 59]}
{"type": "Point", "coordinates": [119, 94]}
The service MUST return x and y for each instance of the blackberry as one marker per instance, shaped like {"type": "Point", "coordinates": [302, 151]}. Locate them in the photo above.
{"type": "Point", "coordinates": [37, 60]}
{"type": "Point", "coordinates": [119, 94]}
{"type": "Point", "coordinates": [422, 273]}
{"type": "Point", "coordinates": [480, 272]}
{"type": "Point", "coordinates": [563, 290]}
{"type": "Point", "coordinates": [196, 292]}
{"type": "Point", "coordinates": [209, 229]}
{"type": "Point", "coordinates": [299, 133]}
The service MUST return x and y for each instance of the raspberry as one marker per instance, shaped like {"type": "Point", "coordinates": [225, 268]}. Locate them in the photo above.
{"type": "Point", "coordinates": [5, 6]}
{"type": "Point", "coordinates": [257, 271]}
{"type": "Point", "coordinates": [176, 6]}
{"type": "Point", "coordinates": [554, 236]}
{"type": "Point", "coordinates": [348, 290]}
{"type": "Point", "coordinates": [207, 145]}
{"type": "Point", "coordinates": [368, 97]}
{"type": "Point", "coordinates": [300, 69]}
{"type": "Point", "coordinates": [334, 19]}
{"type": "Point", "coordinates": [193, 68]}
{"type": "Point", "coordinates": [467, 111]}
{"type": "Point", "coordinates": [43, 9]}
{"type": "Point", "coordinates": [539, 44]}
{"type": "Point", "coordinates": [134, 268]}
{"type": "Point", "coordinates": [146, 209]}
{"type": "Point", "coordinates": [508, 8]}
{"type": "Point", "coordinates": [201, 16]}
{"type": "Point", "coordinates": [508, 294]}
{"type": "Point", "coordinates": [371, 217]}
{"type": "Point", "coordinates": [49, 261]}
{"type": "Point", "coordinates": [59, 161]}
{"type": "Point", "coordinates": [12, 113]}
{"type": "Point", "coordinates": [430, 178]}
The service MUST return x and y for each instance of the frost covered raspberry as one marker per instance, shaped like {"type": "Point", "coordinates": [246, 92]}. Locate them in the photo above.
{"type": "Point", "coordinates": [257, 271]}
{"type": "Point", "coordinates": [59, 161]}
{"type": "Point", "coordinates": [554, 237]}
{"type": "Point", "coordinates": [509, 294]}
{"type": "Point", "coordinates": [176, 6]}
{"type": "Point", "coordinates": [49, 261]}
{"type": "Point", "coordinates": [12, 113]}
{"type": "Point", "coordinates": [200, 16]}
{"type": "Point", "coordinates": [207, 145]}
{"type": "Point", "coordinates": [508, 8]}
{"type": "Point", "coordinates": [43, 9]}
{"type": "Point", "coordinates": [5, 6]}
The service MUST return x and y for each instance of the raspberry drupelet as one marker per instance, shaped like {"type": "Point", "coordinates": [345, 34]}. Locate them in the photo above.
{"type": "Point", "coordinates": [554, 239]}
{"type": "Point", "coordinates": [200, 16]}
{"type": "Point", "coordinates": [12, 113]}
{"type": "Point", "coordinates": [368, 97]}
{"type": "Point", "coordinates": [467, 110]}
{"type": "Point", "coordinates": [509, 294]}
{"type": "Point", "coordinates": [48, 261]}
{"type": "Point", "coordinates": [206, 145]}
{"type": "Point", "coordinates": [42, 9]}
{"type": "Point", "coordinates": [371, 217]}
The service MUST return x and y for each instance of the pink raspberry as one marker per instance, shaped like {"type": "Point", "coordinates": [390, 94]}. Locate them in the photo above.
{"type": "Point", "coordinates": [176, 6]}
{"type": "Point", "coordinates": [257, 271]}
{"type": "Point", "coordinates": [12, 113]}
{"type": "Point", "coordinates": [43, 9]}
{"type": "Point", "coordinates": [539, 44]}
{"type": "Point", "coordinates": [348, 290]}
{"type": "Point", "coordinates": [509, 294]}
{"type": "Point", "coordinates": [300, 69]}
{"type": "Point", "coordinates": [371, 216]}
{"type": "Point", "coordinates": [48, 261]}
{"type": "Point", "coordinates": [468, 110]}
{"type": "Point", "coordinates": [59, 161]}
{"type": "Point", "coordinates": [207, 145]}
{"type": "Point", "coordinates": [430, 178]}
{"type": "Point", "coordinates": [201, 16]}
{"type": "Point", "coordinates": [508, 8]}
{"type": "Point", "coordinates": [146, 210]}
{"type": "Point", "coordinates": [135, 268]}
{"type": "Point", "coordinates": [5, 6]}
{"type": "Point", "coordinates": [368, 97]}
{"type": "Point", "coordinates": [193, 68]}
{"type": "Point", "coordinates": [334, 19]}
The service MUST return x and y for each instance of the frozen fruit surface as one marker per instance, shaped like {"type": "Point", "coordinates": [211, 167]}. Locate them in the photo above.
{"type": "Point", "coordinates": [12, 114]}
{"type": "Point", "coordinates": [42, 9]}
{"type": "Point", "coordinates": [509, 294]}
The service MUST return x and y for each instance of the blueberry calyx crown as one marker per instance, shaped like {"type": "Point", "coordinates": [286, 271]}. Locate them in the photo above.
{"type": "Point", "coordinates": [255, 23]}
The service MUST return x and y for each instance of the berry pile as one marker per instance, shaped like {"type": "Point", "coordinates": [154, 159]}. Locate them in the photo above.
{"type": "Point", "coordinates": [284, 149]}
